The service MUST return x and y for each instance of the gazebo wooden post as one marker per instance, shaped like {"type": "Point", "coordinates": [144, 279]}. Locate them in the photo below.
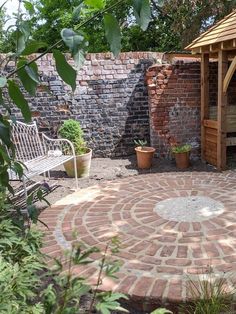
{"type": "Point", "coordinates": [221, 113]}
{"type": "Point", "coordinates": [204, 99]}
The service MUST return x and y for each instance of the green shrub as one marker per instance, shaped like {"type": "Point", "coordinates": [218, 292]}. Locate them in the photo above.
{"type": "Point", "coordinates": [20, 265]}
{"type": "Point", "coordinates": [71, 130]}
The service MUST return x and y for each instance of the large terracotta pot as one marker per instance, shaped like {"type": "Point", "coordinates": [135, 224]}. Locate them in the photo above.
{"type": "Point", "coordinates": [83, 163]}
{"type": "Point", "coordinates": [144, 156]}
{"type": "Point", "coordinates": [182, 160]}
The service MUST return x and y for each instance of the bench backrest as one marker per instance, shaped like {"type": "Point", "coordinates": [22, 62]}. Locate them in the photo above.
{"type": "Point", "coordinates": [27, 142]}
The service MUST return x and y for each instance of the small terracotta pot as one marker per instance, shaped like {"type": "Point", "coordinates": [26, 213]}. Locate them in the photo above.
{"type": "Point", "coordinates": [144, 156]}
{"type": "Point", "coordinates": [182, 160]}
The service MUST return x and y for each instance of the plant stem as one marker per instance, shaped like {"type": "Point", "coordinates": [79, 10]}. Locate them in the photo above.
{"type": "Point", "coordinates": [67, 286]}
{"type": "Point", "coordinates": [59, 42]}
{"type": "Point", "coordinates": [99, 279]}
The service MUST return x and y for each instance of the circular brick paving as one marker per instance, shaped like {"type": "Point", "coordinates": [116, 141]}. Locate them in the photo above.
{"type": "Point", "coordinates": [160, 250]}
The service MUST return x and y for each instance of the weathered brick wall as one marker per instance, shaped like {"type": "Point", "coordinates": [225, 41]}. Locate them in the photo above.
{"type": "Point", "coordinates": [110, 101]}
{"type": "Point", "coordinates": [174, 104]}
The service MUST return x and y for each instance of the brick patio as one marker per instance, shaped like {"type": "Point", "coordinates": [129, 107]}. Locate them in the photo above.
{"type": "Point", "coordinates": [158, 255]}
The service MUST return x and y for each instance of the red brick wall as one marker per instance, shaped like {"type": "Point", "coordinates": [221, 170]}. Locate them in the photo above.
{"type": "Point", "coordinates": [174, 105]}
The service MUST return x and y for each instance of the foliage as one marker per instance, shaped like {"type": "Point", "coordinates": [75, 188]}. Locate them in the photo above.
{"type": "Point", "coordinates": [141, 143]}
{"type": "Point", "coordinates": [210, 295]}
{"type": "Point", "coordinates": [64, 294]}
{"type": "Point", "coordinates": [192, 17]}
{"type": "Point", "coordinates": [20, 262]}
{"type": "Point", "coordinates": [28, 286]}
{"type": "Point", "coordinates": [71, 130]}
{"type": "Point", "coordinates": [181, 149]}
{"type": "Point", "coordinates": [173, 25]}
{"type": "Point", "coordinates": [162, 311]}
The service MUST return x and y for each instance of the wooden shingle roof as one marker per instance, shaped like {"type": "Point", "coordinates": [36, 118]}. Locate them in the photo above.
{"type": "Point", "coordinates": [224, 30]}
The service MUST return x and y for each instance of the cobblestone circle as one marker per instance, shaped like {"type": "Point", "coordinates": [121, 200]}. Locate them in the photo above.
{"type": "Point", "coordinates": [158, 255]}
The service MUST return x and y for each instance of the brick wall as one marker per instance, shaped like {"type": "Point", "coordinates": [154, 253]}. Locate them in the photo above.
{"type": "Point", "coordinates": [110, 101]}
{"type": "Point", "coordinates": [174, 104]}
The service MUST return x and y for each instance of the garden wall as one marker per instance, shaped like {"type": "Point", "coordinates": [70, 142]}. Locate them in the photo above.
{"type": "Point", "coordinates": [174, 100]}
{"type": "Point", "coordinates": [110, 101]}
{"type": "Point", "coordinates": [174, 104]}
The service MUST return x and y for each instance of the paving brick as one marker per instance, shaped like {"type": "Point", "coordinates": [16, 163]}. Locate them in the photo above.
{"type": "Point", "coordinates": [156, 253]}
{"type": "Point", "coordinates": [142, 286]}
{"type": "Point", "coordinates": [182, 251]}
{"type": "Point", "coordinates": [167, 250]}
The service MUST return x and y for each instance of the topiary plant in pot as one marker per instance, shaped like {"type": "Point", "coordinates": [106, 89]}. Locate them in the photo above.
{"type": "Point", "coordinates": [144, 154]}
{"type": "Point", "coordinates": [182, 153]}
{"type": "Point", "coordinates": [72, 131]}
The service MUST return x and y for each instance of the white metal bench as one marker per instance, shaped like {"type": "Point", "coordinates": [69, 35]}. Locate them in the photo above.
{"type": "Point", "coordinates": [39, 155]}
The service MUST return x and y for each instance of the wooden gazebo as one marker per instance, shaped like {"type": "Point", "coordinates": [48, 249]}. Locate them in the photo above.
{"type": "Point", "coordinates": [218, 124]}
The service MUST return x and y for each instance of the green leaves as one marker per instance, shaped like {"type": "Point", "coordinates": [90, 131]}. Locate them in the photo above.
{"type": "Point", "coordinates": [112, 33]}
{"type": "Point", "coordinates": [71, 39]}
{"type": "Point", "coordinates": [29, 7]}
{"type": "Point", "coordinates": [142, 12]}
{"type": "Point", "coordinates": [95, 4]}
{"type": "Point", "coordinates": [32, 71]}
{"type": "Point", "coordinates": [5, 131]}
{"type": "Point", "coordinates": [77, 45]}
{"type": "Point", "coordinates": [108, 302]}
{"type": "Point", "coordinates": [22, 35]}
{"type": "Point", "coordinates": [33, 47]}
{"type": "Point", "coordinates": [64, 69]}
{"type": "Point", "coordinates": [18, 98]}
{"type": "Point", "coordinates": [28, 75]}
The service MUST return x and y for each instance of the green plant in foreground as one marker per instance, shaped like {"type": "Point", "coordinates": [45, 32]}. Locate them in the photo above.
{"type": "Point", "coordinates": [181, 148]}
{"type": "Point", "coordinates": [71, 130]}
{"type": "Point", "coordinates": [20, 265]}
{"type": "Point", "coordinates": [64, 294]}
{"type": "Point", "coordinates": [27, 285]}
{"type": "Point", "coordinates": [210, 295]}
{"type": "Point", "coordinates": [141, 143]}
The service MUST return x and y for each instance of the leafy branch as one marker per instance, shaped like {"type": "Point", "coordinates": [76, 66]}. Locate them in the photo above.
{"type": "Point", "coordinates": [60, 42]}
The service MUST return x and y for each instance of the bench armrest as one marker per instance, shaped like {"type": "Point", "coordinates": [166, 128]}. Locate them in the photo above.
{"type": "Point", "coordinates": [58, 144]}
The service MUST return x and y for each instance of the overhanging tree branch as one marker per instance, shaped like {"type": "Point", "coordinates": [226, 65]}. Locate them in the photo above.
{"type": "Point", "coordinates": [59, 42]}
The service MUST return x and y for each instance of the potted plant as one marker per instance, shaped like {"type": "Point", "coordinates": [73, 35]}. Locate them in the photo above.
{"type": "Point", "coordinates": [182, 153]}
{"type": "Point", "coordinates": [144, 154]}
{"type": "Point", "coordinates": [72, 131]}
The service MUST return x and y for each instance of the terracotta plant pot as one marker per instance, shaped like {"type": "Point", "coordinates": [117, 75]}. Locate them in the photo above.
{"type": "Point", "coordinates": [144, 156]}
{"type": "Point", "coordinates": [182, 160]}
{"type": "Point", "coordinates": [83, 165]}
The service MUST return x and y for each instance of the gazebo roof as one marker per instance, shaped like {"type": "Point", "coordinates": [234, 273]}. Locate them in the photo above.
{"type": "Point", "coordinates": [219, 36]}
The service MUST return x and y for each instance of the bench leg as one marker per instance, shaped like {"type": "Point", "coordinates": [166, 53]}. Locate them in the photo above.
{"type": "Point", "coordinates": [76, 176]}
